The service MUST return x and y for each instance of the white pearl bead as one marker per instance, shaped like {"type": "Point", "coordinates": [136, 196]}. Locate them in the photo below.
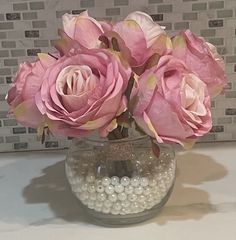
{"type": "Point", "coordinates": [115, 180]}
{"type": "Point", "coordinates": [101, 196]}
{"type": "Point", "coordinates": [106, 181]}
{"type": "Point", "coordinates": [107, 203]}
{"type": "Point", "coordinates": [138, 190]}
{"type": "Point", "coordinates": [83, 196]}
{"type": "Point", "coordinates": [146, 190]}
{"type": "Point", "coordinates": [122, 196]}
{"type": "Point", "coordinates": [112, 197]}
{"type": "Point", "coordinates": [114, 212]}
{"type": "Point", "coordinates": [125, 203]}
{"type": "Point", "coordinates": [135, 181]}
{"type": "Point", "coordinates": [90, 178]}
{"type": "Point", "coordinates": [100, 189]}
{"type": "Point", "coordinates": [98, 209]}
{"type": "Point", "coordinates": [109, 189]}
{"type": "Point", "coordinates": [117, 206]}
{"type": "Point", "coordinates": [141, 198]}
{"type": "Point", "coordinates": [91, 188]}
{"type": "Point", "coordinates": [129, 189]}
{"type": "Point", "coordinates": [125, 181]}
{"type": "Point", "coordinates": [132, 197]}
{"type": "Point", "coordinates": [144, 181]}
{"type": "Point", "coordinates": [84, 187]}
{"type": "Point", "coordinates": [119, 188]}
{"type": "Point", "coordinates": [93, 196]}
{"type": "Point", "coordinates": [91, 205]}
{"type": "Point", "coordinates": [98, 204]}
{"type": "Point", "coordinates": [152, 182]}
{"type": "Point", "coordinates": [105, 210]}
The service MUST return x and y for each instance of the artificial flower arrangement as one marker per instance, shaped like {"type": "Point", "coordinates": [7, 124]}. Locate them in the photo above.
{"type": "Point", "coordinates": [108, 76]}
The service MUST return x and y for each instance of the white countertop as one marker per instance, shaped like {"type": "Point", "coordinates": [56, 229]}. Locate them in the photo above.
{"type": "Point", "coordinates": [36, 202]}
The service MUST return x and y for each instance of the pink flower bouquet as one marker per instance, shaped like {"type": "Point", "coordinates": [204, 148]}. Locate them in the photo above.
{"type": "Point", "coordinates": [108, 76]}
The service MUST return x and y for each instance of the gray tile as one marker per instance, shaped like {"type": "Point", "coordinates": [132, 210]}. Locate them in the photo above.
{"type": "Point", "coordinates": [181, 25]}
{"type": "Point", "coordinates": [165, 8]}
{"type": "Point", "coordinates": [217, 129]}
{"type": "Point", "coordinates": [77, 11]}
{"type": "Point", "coordinates": [3, 35]}
{"type": "Point", "coordinates": [39, 24]}
{"type": "Point", "coordinates": [4, 53]}
{"type": "Point", "coordinates": [208, 138]}
{"type": "Point", "coordinates": [3, 114]}
{"type": "Point", "coordinates": [230, 111]}
{"type": "Point", "coordinates": [6, 25]}
{"type": "Point", "coordinates": [41, 43]}
{"type": "Point", "coordinates": [230, 94]}
{"type": "Point", "coordinates": [51, 144]}
{"type": "Point", "coordinates": [59, 14]}
{"type": "Point", "coordinates": [2, 80]}
{"type": "Point", "coordinates": [33, 52]}
{"type": "Point", "coordinates": [5, 71]}
{"type": "Point", "coordinates": [222, 50]}
{"type": "Point", "coordinates": [32, 34]}
{"type": "Point", "coordinates": [225, 13]}
{"type": "Point", "coordinates": [12, 139]}
{"type": "Point", "coordinates": [112, 11]}
{"type": "Point", "coordinates": [21, 146]}
{"type": "Point", "coordinates": [190, 16]}
{"type": "Point", "coordinates": [8, 44]}
{"type": "Point", "coordinates": [87, 3]}
{"type": "Point", "coordinates": [208, 32]}
{"type": "Point", "coordinates": [19, 130]}
{"type": "Point", "coordinates": [37, 5]}
{"type": "Point", "coordinates": [2, 97]}
{"type": "Point", "coordinates": [10, 122]}
{"type": "Point", "coordinates": [121, 2]}
{"type": "Point", "coordinates": [199, 6]}
{"type": "Point", "coordinates": [224, 120]}
{"type": "Point", "coordinates": [216, 4]}
{"type": "Point", "coordinates": [157, 17]}
{"type": "Point", "coordinates": [13, 16]}
{"type": "Point", "coordinates": [18, 53]}
{"type": "Point", "coordinates": [10, 62]}
{"type": "Point", "coordinates": [2, 17]}
{"type": "Point", "coordinates": [8, 79]}
{"type": "Point", "coordinates": [20, 6]}
{"type": "Point", "coordinates": [216, 23]}
{"type": "Point", "coordinates": [155, 1]}
{"type": "Point", "coordinates": [168, 25]}
{"type": "Point", "coordinates": [32, 130]}
{"type": "Point", "coordinates": [30, 15]}
{"type": "Point", "coordinates": [231, 59]}
{"type": "Point", "coordinates": [216, 41]}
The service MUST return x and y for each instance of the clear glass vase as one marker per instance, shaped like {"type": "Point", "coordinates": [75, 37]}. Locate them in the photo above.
{"type": "Point", "coordinates": [123, 181]}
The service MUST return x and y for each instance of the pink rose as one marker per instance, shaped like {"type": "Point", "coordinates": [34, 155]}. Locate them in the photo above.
{"type": "Point", "coordinates": [83, 92]}
{"type": "Point", "coordinates": [171, 103]}
{"type": "Point", "coordinates": [27, 83]}
{"type": "Point", "coordinates": [84, 29]}
{"type": "Point", "coordinates": [202, 59]}
{"type": "Point", "coordinates": [139, 37]}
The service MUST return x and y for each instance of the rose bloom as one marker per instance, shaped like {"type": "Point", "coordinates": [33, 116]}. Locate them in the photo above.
{"type": "Point", "coordinates": [201, 58]}
{"type": "Point", "coordinates": [138, 36]}
{"type": "Point", "coordinates": [83, 92]}
{"type": "Point", "coordinates": [21, 96]}
{"type": "Point", "coordinates": [171, 103]}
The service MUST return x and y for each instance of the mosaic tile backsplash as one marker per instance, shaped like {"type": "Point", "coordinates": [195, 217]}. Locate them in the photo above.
{"type": "Point", "coordinates": [30, 27]}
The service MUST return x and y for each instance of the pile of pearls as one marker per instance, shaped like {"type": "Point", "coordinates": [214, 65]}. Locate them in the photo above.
{"type": "Point", "coordinates": [114, 195]}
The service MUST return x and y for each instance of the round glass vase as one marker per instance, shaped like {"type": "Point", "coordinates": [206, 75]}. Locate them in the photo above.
{"type": "Point", "coordinates": [123, 181]}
